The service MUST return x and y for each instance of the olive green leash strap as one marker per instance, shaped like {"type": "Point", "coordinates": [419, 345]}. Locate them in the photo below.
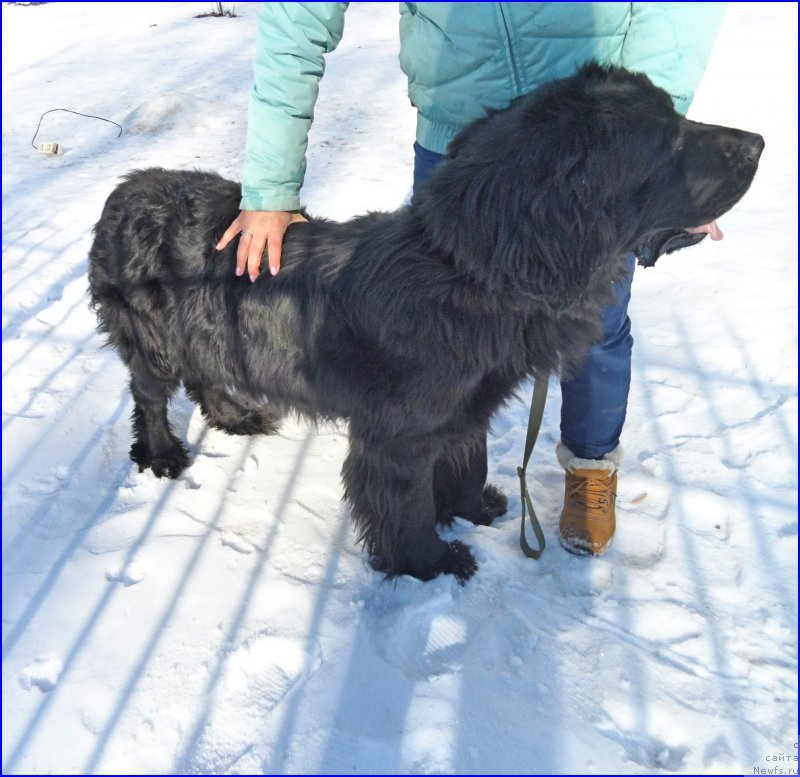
{"type": "Point", "coordinates": [534, 423]}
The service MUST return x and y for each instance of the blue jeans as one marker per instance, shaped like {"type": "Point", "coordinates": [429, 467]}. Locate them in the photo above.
{"type": "Point", "coordinates": [594, 401]}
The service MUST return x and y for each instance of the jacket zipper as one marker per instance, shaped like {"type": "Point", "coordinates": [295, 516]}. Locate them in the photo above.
{"type": "Point", "coordinates": [512, 61]}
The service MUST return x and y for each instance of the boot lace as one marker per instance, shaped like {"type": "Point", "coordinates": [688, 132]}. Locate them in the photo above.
{"type": "Point", "coordinates": [593, 494]}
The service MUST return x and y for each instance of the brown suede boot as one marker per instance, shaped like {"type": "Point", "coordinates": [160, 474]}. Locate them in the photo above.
{"type": "Point", "coordinates": [588, 519]}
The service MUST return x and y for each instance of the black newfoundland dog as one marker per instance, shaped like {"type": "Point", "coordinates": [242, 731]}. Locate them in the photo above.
{"type": "Point", "coordinates": [416, 325]}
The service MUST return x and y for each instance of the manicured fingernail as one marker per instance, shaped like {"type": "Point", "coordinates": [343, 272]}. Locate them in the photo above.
{"type": "Point", "coordinates": [253, 278]}
{"type": "Point", "coordinates": [240, 270]}
{"type": "Point", "coordinates": [273, 270]}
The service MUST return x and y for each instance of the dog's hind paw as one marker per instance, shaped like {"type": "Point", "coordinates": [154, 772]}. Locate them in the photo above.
{"type": "Point", "coordinates": [169, 463]}
{"type": "Point", "coordinates": [140, 455]}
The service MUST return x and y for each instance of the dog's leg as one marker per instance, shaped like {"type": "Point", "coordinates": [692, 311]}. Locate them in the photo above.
{"type": "Point", "coordinates": [390, 488]}
{"type": "Point", "coordinates": [460, 488]}
{"type": "Point", "coordinates": [155, 445]}
{"type": "Point", "coordinates": [223, 412]}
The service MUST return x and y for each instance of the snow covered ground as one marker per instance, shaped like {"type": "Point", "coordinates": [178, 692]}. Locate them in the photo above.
{"type": "Point", "coordinates": [226, 622]}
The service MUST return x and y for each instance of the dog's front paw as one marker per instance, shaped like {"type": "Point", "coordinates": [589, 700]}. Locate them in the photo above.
{"type": "Point", "coordinates": [249, 424]}
{"type": "Point", "coordinates": [493, 504]}
{"type": "Point", "coordinates": [457, 560]}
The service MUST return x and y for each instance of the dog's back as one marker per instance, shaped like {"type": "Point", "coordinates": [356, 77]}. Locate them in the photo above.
{"type": "Point", "coordinates": [169, 302]}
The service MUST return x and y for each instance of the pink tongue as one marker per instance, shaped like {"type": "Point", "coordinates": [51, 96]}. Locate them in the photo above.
{"type": "Point", "coordinates": [712, 230]}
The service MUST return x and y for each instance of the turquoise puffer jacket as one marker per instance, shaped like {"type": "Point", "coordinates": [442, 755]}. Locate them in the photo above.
{"type": "Point", "coordinates": [461, 59]}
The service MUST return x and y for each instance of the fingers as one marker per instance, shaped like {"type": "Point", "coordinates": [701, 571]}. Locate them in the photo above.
{"type": "Point", "coordinates": [245, 239]}
{"type": "Point", "coordinates": [258, 230]}
{"type": "Point", "coordinates": [248, 255]}
{"type": "Point", "coordinates": [275, 239]}
{"type": "Point", "coordinates": [251, 248]}
{"type": "Point", "coordinates": [274, 246]}
{"type": "Point", "coordinates": [229, 234]}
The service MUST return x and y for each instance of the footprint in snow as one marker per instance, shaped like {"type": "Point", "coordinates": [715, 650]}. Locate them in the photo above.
{"type": "Point", "coordinates": [256, 676]}
{"type": "Point", "coordinates": [129, 574]}
{"type": "Point", "coordinates": [43, 674]}
{"type": "Point", "coordinates": [648, 751]}
{"type": "Point", "coordinates": [437, 635]}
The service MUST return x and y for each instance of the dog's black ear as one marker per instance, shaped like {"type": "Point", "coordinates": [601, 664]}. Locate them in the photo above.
{"type": "Point", "coordinates": [665, 242]}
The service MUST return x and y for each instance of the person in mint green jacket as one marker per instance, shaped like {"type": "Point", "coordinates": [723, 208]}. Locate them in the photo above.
{"type": "Point", "coordinates": [463, 59]}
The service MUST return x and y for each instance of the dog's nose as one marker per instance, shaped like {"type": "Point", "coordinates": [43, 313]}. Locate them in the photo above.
{"type": "Point", "coordinates": [752, 146]}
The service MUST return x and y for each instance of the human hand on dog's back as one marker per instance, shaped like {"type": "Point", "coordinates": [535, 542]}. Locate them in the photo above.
{"type": "Point", "coordinates": [259, 229]}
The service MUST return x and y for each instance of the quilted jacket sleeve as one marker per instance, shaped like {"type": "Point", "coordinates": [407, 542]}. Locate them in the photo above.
{"type": "Point", "coordinates": [671, 42]}
{"type": "Point", "coordinates": [291, 42]}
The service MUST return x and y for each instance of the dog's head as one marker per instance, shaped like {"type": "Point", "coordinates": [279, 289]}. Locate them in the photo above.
{"type": "Point", "coordinates": [553, 191]}
{"type": "Point", "coordinates": [684, 174]}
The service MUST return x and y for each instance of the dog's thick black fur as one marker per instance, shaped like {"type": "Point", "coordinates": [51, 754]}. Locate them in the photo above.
{"type": "Point", "coordinates": [414, 325]}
